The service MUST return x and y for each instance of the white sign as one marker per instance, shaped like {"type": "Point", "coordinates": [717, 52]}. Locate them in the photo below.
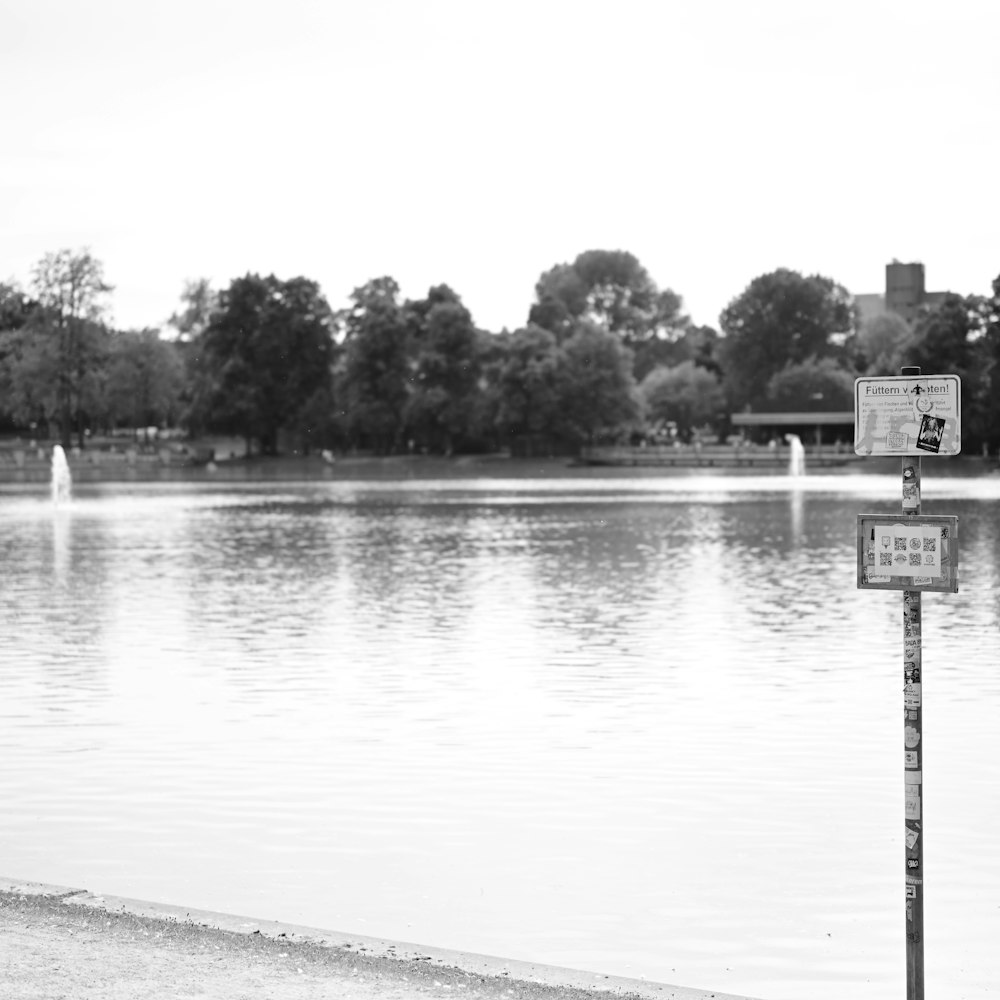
{"type": "Point", "coordinates": [908, 415]}
{"type": "Point", "coordinates": [902, 550]}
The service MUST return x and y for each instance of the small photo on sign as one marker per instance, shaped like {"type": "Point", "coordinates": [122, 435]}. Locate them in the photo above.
{"type": "Point", "coordinates": [930, 434]}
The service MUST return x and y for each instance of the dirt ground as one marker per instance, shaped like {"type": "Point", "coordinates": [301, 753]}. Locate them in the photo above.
{"type": "Point", "coordinates": [52, 948]}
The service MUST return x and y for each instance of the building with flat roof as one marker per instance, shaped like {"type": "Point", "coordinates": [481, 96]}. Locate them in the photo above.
{"type": "Point", "coordinates": [905, 292]}
{"type": "Point", "coordinates": [819, 428]}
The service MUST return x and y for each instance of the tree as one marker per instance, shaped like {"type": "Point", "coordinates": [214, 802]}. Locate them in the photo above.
{"type": "Point", "coordinates": [688, 395]}
{"type": "Point", "coordinates": [781, 318]}
{"type": "Point", "coordinates": [145, 376]}
{"type": "Point", "coordinates": [267, 351]}
{"type": "Point", "coordinates": [374, 381]}
{"type": "Point", "coordinates": [607, 288]}
{"type": "Point", "coordinates": [199, 301]}
{"type": "Point", "coordinates": [442, 408]}
{"type": "Point", "coordinates": [949, 338]}
{"type": "Point", "coordinates": [70, 290]}
{"type": "Point", "coordinates": [598, 397]}
{"type": "Point", "coordinates": [991, 358]}
{"type": "Point", "coordinates": [15, 307]}
{"type": "Point", "coordinates": [811, 385]}
{"type": "Point", "coordinates": [16, 310]}
{"type": "Point", "coordinates": [699, 344]}
{"type": "Point", "coordinates": [28, 377]}
{"type": "Point", "coordinates": [944, 336]}
{"type": "Point", "coordinates": [528, 383]}
{"type": "Point", "coordinates": [877, 343]}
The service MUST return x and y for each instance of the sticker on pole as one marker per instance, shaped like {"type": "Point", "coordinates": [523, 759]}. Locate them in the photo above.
{"type": "Point", "coordinates": [908, 415]}
{"type": "Point", "coordinates": [915, 552]}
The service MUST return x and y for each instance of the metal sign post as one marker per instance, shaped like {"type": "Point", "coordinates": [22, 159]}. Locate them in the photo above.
{"type": "Point", "coordinates": [910, 415]}
{"type": "Point", "coordinates": [913, 752]}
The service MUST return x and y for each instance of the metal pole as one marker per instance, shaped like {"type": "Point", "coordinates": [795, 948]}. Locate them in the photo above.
{"type": "Point", "coordinates": [913, 751]}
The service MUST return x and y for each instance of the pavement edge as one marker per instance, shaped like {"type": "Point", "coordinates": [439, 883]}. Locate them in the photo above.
{"type": "Point", "coordinates": [486, 966]}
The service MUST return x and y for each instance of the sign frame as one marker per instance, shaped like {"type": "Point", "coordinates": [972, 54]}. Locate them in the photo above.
{"type": "Point", "coordinates": [946, 583]}
{"type": "Point", "coordinates": [900, 415]}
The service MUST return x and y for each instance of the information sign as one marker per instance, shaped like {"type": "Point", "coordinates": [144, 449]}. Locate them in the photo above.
{"type": "Point", "coordinates": [908, 415]}
{"type": "Point", "coordinates": [915, 552]}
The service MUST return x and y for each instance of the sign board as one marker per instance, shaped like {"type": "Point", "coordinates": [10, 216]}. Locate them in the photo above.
{"type": "Point", "coordinates": [913, 552]}
{"type": "Point", "coordinates": [908, 415]}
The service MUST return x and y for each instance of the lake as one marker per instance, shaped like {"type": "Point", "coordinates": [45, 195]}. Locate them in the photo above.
{"type": "Point", "coordinates": [645, 725]}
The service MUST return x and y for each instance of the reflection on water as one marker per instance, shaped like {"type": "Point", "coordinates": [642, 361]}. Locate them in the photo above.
{"type": "Point", "coordinates": [645, 726]}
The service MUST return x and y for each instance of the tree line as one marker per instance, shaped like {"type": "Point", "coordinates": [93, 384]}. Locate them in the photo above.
{"type": "Point", "coordinates": [604, 355]}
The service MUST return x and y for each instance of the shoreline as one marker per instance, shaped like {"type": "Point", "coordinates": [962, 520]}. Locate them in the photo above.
{"type": "Point", "coordinates": [97, 467]}
{"type": "Point", "coordinates": [125, 938]}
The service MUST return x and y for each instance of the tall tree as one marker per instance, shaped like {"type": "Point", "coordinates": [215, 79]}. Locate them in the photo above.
{"type": "Point", "coordinates": [948, 338]}
{"type": "Point", "coordinates": [198, 300]}
{"type": "Point", "coordinates": [16, 310]}
{"type": "Point", "coordinates": [598, 397]}
{"type": "Point", "coordinates": [811, 385]}
{"type": "Point", "coordinates": [608, 288]}
{"type": "Point", "coordinates": [442, 409]}
{"type": "Point", "coordinates": [267, 351]}
{"type": "Point", "coordinates": [991, 358]}
{"type": "Point", "coordinates": [699, 344]}
{"type": "Point", "coordinates": [877, 343]}
{"type": "Point", "coordinates": [375, 378]}
{"type": "Point", "coordinates": [687, 395]}
{"type": "Point", "coordinates": [144, 379]}
{"type": "Point", "coordinates": [528, 384]}
{"type": "Point", "coordinates": [71, 293]}
{"type": "Point", "coordinates": [781, 318]}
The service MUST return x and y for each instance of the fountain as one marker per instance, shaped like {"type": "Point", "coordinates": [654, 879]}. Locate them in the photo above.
{"type": "Point", "coordinates": [796, 456]}
{"type": "Point", "coordinates": [62, 481]}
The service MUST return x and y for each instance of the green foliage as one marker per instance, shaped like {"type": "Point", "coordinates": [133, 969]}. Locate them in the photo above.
{"type": "Point", "coordinates": [199, 301]}
{"type": "Point", "coordinates": [266, 352]}
{"type": "Point", "coordinates": [528, 383]}
{"type": "Point", "coordinates": [813, 385]}
{"type": "Point", "coordinates": [951, 339]}
{"type": "Point", "coordinates": [598, 397]}
{"type": "Point", "coordinates": [877, 344]}
{"type": "Point", "coordinates": [29, 376]}
{"type": "Point", "coordinates": [990, 354]}
{"type": "Point", "coordinates": [944, 337]}
{"type": "Point", "coordinates": [781, 318]}
{"type": "Point", "coordinates": [56, 364]}
{"type": "Point", "coordinates": [374, 381]}
{"type": "Point", "coordinates": [145, 378]}
{"type": "Point", "coordinates": [685, 394]}
{"type": "Point", "coordinates": [609, 289]}
{"type": "Point", "coordinates": [15, 307]}
{"type": "Point", "coordinates": [442, 410]}
{"type": "Point", "coordinates": [264, 356]}
{"type": "Point", "coordinates": [699, 344]}
{"type": "Point", "coordinates": [15, 312]}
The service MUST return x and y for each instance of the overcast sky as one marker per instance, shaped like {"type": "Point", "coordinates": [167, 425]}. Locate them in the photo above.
{"type": "Point", "coordinates": [479, 143]}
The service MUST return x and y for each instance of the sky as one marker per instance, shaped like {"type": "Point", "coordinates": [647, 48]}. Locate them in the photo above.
{"type": "Point", "coordinates": [478, 143]}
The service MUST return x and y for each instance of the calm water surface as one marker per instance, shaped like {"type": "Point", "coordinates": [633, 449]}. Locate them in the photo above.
{"type": "Point", "coordinates": [643, 726]}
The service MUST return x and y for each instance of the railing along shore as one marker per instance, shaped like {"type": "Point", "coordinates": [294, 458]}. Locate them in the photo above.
{"type": "Point", "coordinates": [707, 456]}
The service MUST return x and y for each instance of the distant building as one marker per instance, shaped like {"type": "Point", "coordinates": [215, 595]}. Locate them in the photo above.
{"type": "Point", "coordinates": [821, 427]}
{"type": "Point", "coordinates": [905, 293]}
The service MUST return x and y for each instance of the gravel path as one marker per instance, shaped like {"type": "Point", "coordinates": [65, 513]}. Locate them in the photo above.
{"type": "Point", "coordinates": [55, 946]}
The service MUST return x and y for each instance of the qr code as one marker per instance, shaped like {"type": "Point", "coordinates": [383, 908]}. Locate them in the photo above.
{"type": "Point", "coordinates": [914, 558]}
{"type": "Point", "coordinates": [899, 544]}
{"type": "Point", "coordinates": [885, 559]}
{"type": "Point", "coordinates": [930, 545]}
